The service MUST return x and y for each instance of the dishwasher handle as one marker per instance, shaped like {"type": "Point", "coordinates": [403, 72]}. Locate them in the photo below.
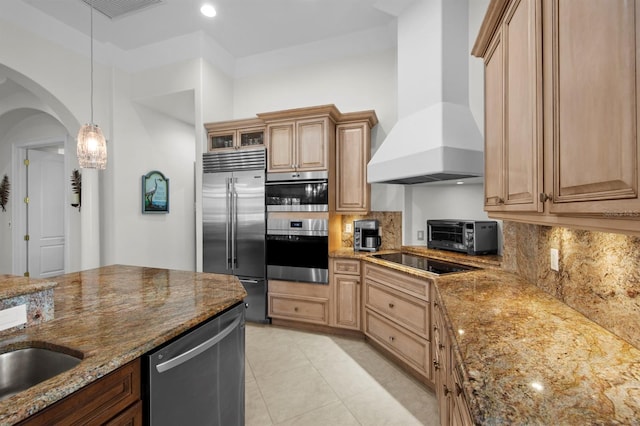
{"type": "Point", "coordinates": [191, 353]}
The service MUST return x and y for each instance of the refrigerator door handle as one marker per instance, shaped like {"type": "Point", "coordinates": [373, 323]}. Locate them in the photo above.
{"type": "Point", "coordinates": [228, 223]}
{"type": "Point", "coordinates": [234, 222]}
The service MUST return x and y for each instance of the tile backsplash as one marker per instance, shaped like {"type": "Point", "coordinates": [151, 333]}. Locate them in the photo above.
{"type": "Point", "coordinates": [599, 273]}
{"type": "Point", "coordinates": [390, 225]}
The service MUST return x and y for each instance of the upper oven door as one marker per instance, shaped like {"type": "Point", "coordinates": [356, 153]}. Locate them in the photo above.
{"type": "Point", "coordinates": [297, 192]}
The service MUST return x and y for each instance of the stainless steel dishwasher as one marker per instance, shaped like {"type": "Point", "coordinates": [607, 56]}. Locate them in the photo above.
{"type": "Point", "coordinates": [198, 378]}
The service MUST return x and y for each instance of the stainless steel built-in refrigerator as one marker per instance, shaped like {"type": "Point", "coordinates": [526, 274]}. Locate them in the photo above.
{"type": "Point", "coordinates": [233, 214]}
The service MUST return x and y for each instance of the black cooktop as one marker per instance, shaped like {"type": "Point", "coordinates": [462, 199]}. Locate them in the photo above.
{"type": "Point", "coordinates": [434, 266]}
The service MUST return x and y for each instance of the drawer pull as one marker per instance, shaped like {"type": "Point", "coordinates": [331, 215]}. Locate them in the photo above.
{"type": "Point", "coordinates": [391, 338]}
{"type": "Point", "coordinates": [391, 305]}
{"type": "Point", "coordinates": [458, 390]}
{"type": "Point", "coordinates": [295, 308]}
{"type": "Point", "coordinates": [436, 365]}
{"type": "Point", "coordinates": [440, 345]}
{"type": "Point", "coordinates": [446, 390]}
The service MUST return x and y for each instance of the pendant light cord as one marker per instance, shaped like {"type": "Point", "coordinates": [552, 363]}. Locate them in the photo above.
{"type": "Point", "coordinates": [91, 92]}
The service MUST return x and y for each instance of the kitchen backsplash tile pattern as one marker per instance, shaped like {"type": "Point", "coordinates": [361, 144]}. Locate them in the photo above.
{"type": "Point", "coordinates": [599, 273]}
{"type": "Point", "coordinates": [390, 225]}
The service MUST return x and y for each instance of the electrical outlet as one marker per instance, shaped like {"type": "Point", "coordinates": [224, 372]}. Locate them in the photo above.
{"type": "Point", "coordinates": [554, 257]}
{"type": "Point", "coordinates": [420, 235]}
{"type": "Point", "coordinates": [348, 228]}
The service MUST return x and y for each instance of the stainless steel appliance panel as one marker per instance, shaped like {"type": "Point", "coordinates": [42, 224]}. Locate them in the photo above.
{"type": "Point", "coordinates": [298, 250]}
{"type": "Point", "coordinates": [248, 247]}
{"type": "Point", "coordinates": [233, 212]}
{"type": "Point", "coordinates": [298, 192]}
{"type": "Point", "coordinates": [216, 223]}
{"type": "Point", "coordinates": [198, 379]}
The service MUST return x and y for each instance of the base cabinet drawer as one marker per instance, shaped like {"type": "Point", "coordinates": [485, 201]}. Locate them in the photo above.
{"type": "Point", "coordinates": [109, 400]}
{"type": "Point", "coordinates": [299, 308]}
{"type": "Point", "coordinates": [408, 346]}
{"type": "Point", "coordinates": [411, 312]}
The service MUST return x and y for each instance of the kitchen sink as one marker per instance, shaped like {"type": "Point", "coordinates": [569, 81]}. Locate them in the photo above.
{"type": "Point", "coordinates": [22, 368]}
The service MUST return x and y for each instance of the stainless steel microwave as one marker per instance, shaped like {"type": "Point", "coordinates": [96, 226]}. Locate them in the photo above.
{"type": "Point", "coordinates": [297, 192]}
{"type": "Point", "coordinates": [465, 236]}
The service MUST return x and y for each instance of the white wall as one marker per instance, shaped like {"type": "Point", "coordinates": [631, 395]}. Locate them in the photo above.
{"type": "Point", "coordinates": [354, 83]}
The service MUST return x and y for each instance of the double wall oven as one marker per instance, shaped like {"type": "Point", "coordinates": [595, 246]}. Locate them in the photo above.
{"type": "Point", "coordinates": [297, 231]}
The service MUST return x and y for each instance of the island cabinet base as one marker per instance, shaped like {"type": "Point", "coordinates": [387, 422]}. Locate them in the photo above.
{"type": "Point", "coordinates": [112, 400]}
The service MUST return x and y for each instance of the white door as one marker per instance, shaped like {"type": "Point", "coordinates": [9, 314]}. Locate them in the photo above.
{"type": "Point", "coordinates": [45, 213]}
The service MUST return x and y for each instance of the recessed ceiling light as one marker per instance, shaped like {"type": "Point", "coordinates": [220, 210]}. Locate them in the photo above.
{"type": "Point", "coordinates": [459, 182]}
{"type": "Point", "coordinates": [208, 10]}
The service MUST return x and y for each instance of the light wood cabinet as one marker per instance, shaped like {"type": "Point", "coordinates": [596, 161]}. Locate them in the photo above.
{"type": "Point", "coordinates": [513, 103]}
{"type": "Point", "coordinates": [454, 409]}
{"type": "Point", "coordinates": [300, 302]}
{"type": "Point", "coordinates": [562, 145]}
{"type": "Point", "coordinates": [398, 316]}
{"type": "Point", "coordinates": [344, 278]}
{"type": "Point", "coordinates": [113, 400]}
{"type": "Point", "coordinates": [235, 134]}
{"type": "Point", "coordinates": [353, 149]}
{"type": "Point", "coordinates": [592, 138]}
{"type": "Point", "coordinates": [300, 139]}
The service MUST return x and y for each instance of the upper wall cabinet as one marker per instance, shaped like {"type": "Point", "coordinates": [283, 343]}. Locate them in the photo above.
{"type": "Point", "coordinates": [513, 101]}
{"type": "Point", "coordinates": [235, 134]}
{"type": "Point", "coordinates": [592, 109]}
{"type": "Point", "coordinates": [568, 154]}
{"type": "Point", "coordinates": [300, 139]}
{"type": "Point", "coordinates": [353, 149]}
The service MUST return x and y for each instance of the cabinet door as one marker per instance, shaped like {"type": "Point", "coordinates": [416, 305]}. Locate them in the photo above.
{"type": "Point", "coordinates": [522, 38]}
{"type": "Point", "coordinates": [280, 145]}
{"type": "Point", "coordinates": [347, 301]}
{"type": "Point", "coordinates": [250, 138]}
{"type": "Point", "coordinates": [494, 125]}
{"type": "Point", "coordinates": [352, 155]}
{"type": "Point", "coordinates": [593, 148]}
{"type": "Point", "coordinates": [222, 140]}
{"type": "Point", "coordinates": [311, 144]}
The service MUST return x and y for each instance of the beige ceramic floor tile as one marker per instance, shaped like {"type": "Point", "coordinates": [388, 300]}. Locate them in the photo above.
{"type": "Point", "coordinates": [416, 398]}
{"type": "Point", "coordinates": [335, 414]}
{"type": "Point", "coordinates": [346, 377]}
{"type": "Point", "coordinates": [377, 407]}
{"type": "Point", "coordinates": [274, 353]}
{"type": "Point", "coordinates": [255, 410]}
{"type": "Point", "coordinates": [294, 392]}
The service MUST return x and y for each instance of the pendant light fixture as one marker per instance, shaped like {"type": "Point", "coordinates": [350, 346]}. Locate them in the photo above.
{"type": "Point", "coordinates": [92, 146]}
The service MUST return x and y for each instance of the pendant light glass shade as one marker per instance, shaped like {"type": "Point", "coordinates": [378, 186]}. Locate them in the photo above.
{"type": "Point", "coordinates": [92, 147]}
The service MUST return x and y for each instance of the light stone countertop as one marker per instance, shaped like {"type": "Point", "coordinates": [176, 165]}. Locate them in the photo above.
{"type": "Point", "coordinates": [111, 316]}
{"type": "Point", "coordinates": [527, 358]}
{"type": "Point", "coordinates": [12, 285]}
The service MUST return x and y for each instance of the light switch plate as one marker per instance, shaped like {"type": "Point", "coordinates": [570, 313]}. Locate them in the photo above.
{"type": "Point", "coordinates": [554, 258]}
{"type": "Point", "coordinates": [13, 317]}
{"type": "Point", "coordinates": [420, 235]}
{"type": "Point", "coordinates": [348, 228]}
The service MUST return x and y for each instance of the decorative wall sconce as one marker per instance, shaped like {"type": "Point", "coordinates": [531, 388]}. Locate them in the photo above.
{"type": "Point", "coordinates": [4, 192]}
{"type": "Point", "coordinates": [76, 187]}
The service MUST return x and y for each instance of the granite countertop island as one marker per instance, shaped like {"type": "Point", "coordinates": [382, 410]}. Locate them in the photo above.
{"type": "Point", "coordinates": [526, 357]}
{"type": "Point", "coordinates": [111, 316]}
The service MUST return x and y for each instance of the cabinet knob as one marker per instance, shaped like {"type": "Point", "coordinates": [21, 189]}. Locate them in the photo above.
{"type": "Point", "coordinates": [500, 200]}
{"type": "Point", "coordinates": [391, 338]}
{"type": "Point", "coordinates": [446, 390]}
{"type": "Point", "coordinates": [391, 305]}
{"type": "Point", "coordinates": [544, 197]}
{"type": "Point", "coordinates": [436, 365]}
{"type": "Point", "coordinates": [458, 390]}
{"type": "Point", "coordinates": [295, 309]}
{"type": "Point", "coordinates": [440, 345]}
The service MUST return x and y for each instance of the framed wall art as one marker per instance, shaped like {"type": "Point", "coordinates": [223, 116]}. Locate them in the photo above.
{"type": "Point", "coordinates": [155, 193]}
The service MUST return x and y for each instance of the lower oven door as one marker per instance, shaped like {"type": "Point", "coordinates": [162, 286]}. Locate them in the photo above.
{"type": "Point", "coordinates": [298, 250]}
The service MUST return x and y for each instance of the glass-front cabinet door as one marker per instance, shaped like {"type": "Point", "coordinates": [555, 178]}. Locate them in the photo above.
{"type": "Point", "coordinates": [235, 134]}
